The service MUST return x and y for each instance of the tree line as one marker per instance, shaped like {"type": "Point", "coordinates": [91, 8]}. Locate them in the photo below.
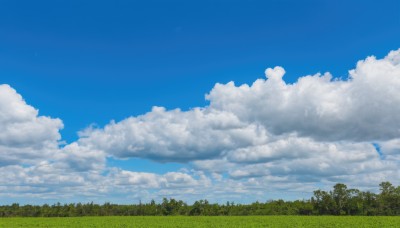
{"type": "Point", "coordinates": [339, 201]}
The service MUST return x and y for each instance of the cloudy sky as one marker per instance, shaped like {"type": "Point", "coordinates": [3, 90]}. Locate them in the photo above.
{"type": "Point", "coordinates": [226, 100]}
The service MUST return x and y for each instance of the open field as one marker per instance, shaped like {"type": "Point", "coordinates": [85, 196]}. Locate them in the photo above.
{"type": "Point", "coordinates": [206, 221]}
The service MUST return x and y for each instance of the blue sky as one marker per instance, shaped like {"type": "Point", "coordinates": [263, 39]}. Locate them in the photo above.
{"type": "Point", "coordinates": [89, 63]}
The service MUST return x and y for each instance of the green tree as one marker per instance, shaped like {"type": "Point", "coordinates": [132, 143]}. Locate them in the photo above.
{"type": "Point", "coordinates": [340, 196]}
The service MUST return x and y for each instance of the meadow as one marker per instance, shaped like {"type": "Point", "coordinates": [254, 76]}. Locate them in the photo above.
{"type": "Point", "coordinates": [206, 221]}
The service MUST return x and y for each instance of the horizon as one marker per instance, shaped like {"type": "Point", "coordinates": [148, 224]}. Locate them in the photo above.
{"type": "Point", "coordinates": [218, 100]}
{"type": "Point", "coordinates": [268, 201]}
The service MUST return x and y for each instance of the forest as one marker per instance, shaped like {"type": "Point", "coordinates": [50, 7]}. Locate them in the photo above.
{"type": "Point", "coordinates": [338, 201]}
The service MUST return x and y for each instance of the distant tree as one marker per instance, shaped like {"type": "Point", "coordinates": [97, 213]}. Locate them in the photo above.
{"type": "Point", "coordinates": [323, 203]}
{"type": "Point", "coordinates": [339, 201]}
{"type": "Point", "coordinates": [340, 197]}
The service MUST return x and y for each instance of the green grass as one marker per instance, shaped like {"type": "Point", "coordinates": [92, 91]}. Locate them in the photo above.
{"type": "Point", "coordinates": [221, 221]}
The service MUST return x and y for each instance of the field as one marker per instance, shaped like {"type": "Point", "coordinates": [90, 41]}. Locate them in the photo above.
{"type": "Point", "coordinates": [221, 221]}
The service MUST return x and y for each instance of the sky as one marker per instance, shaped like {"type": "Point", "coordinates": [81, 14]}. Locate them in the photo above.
{"type": "Point", "coordinates": [128, 101]}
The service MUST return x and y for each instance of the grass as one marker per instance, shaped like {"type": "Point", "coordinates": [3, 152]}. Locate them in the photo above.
{"type": "Point", "coordinates": [220, 221]}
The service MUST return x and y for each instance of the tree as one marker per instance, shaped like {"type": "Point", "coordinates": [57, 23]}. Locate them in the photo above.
{"type": "Point", "coordinates": [323, 202]}
{"type": "Point", "coordinates": [340, 196]}
{"type": "Point", "coordinates": [389, 199]}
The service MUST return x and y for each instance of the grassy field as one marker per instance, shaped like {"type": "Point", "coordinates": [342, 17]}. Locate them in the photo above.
{"type": "Point", "coordinates": [222, 221]}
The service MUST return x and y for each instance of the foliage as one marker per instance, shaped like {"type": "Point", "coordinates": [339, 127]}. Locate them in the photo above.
{"type": "Point", "coordinates": [205, 221]}
{"type": "Point", "coordinates": [339, 201]}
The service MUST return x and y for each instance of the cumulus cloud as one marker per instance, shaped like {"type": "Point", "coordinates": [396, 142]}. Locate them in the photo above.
{"type": "Point", "coordinates": [34, 164]}
{"type": "Point", "coordinates": [391, 147]}
{"type": "Point", "coordinates": [48, 181]}
{"type": "Point", "coordinates": [174, 135]}
{"type": "Point", "coordinates": [31, 159]}
{"type": "Point", "coordinates": [269, 135]}
{"type": "Point", "coordinates": [170, 180]}
{"type": "Point", "coordinates": [362, 107]}
{"type": "Point", "coordinates": [20, 124]}
{"type": "Point", "coordinates": [24, 135]}
{"type": "Point", "coordinates": [324, 161]}
{"type": "Point", "coordinates": [269, 120]}
{"type": "Point", "coordinates": [317, 128]}
{"type": "Point", "coordinates": [80, 158]}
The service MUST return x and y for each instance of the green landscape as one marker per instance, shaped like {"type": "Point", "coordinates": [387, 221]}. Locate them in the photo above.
{"type": "Point", "coordinates": [206, 221]}
{"type": "Point", "coordinates": [340, 207]}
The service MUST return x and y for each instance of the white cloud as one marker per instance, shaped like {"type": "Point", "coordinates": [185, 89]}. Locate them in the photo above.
{"type": "Point", "coordinates": [318, 129]}
{"type": "Point", "coordinates": [174, 135]}
{"type": "Point", "coordinates": [267, 136]}
{"type": "Point", "coordinates": [249, 119]}
{"type": "Point", "coordinates": [391, 147]}
{"type": "Point", "coordinates": [80, 158]}
{"type": "Point", "coordinates": [24, 135]}
{"type": "Point", "coordinates": [364, 107]}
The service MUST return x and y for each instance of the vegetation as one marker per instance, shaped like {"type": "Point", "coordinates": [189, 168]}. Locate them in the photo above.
{"type": "Point", "coordinates": [339, 201]}
{"type": "Point", "coordinates": [205, 221]}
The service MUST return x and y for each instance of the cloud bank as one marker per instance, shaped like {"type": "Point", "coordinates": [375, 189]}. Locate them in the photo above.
{"type": "Point", "coordinates": [253, 139]}
{"type": "Point", "coordinates": [24, 136]}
